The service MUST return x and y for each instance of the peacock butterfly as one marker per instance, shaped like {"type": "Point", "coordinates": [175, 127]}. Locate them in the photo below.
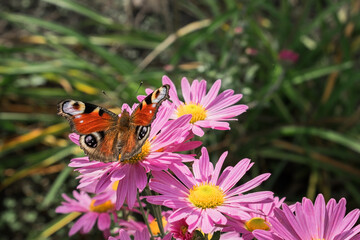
{"type": "Point", "coordinates": [104, 136]}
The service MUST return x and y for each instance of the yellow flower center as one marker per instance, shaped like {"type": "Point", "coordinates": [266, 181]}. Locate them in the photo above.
{"type": "Point", "coordinates": [206, 196]}
{"type": "Point", "coordinates": [145, 150]}
{"type": "Point", "coordinates": [197, 111]}
{"type": "Point", "coordinates": [115, 185]}
{"type": "Point", "coordinates": [257, 223]}
{"type": "Point", "coordinates": [104, 207]}
{"type": "Point", "coordinates": [154, 227]}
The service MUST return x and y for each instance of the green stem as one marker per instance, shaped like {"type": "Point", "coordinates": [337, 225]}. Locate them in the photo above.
{"type": "Point", "coordinates": [145, 215]}
{"type": "Point", "coordinates": [157, 214]}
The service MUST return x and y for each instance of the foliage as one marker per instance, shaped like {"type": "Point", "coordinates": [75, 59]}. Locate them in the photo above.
{"type": "Point", "coordinates": [302, 125]}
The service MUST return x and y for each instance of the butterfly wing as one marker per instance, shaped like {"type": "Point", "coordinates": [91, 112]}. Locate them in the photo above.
{"type": "Point", "coordinates": [140, 121]}
{"type": "Point", "coordinates": [96, 126]}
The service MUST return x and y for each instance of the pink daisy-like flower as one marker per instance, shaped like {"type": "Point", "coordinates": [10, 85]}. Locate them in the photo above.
{"type": "Point", "coordinates": [258, 219]}
{"type": "Point", "coordinates": [93, 212]}
{"type": "Point", "coordinates": [208, 110]}
{"type": "Point", "coordinates": [313, 221]}
{"type": "Point", "coordinates": [131, 226]}
{"type": "Point", "coordinates": [204, 198]}
{"type": "Point", "coordinates": [138, 235]}
{"type": "Point", "coordinates": [158, 153]}
{"type": "Point", "coordinates": [231, 236]}
{"type": "Point", "coordinates": [179, 231]}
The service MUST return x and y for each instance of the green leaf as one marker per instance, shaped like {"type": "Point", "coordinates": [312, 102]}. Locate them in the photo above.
{"type": "Point", "coordinates": [78, 8]}
{"type": "Point", "coordinates": [326, 134]}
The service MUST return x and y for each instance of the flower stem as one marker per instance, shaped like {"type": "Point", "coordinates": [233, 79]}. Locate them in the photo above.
{"type": "Point", "coordinates": [158, 216]}
{"type": "Point", "coordinates": [157, 213]}
{"type": "Point", "coordinates": [145, 215]}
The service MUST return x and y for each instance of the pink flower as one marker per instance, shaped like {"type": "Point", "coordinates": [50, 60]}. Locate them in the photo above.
{"type": "Point", "coordinates": [231, 236]}
{"type": "Point", "coordinates": [210, 110]}
{"type": "Point", "coordinates": [93, 212]}
{"type": "Point", "coordinates": [158, 153]}
{"type": "Point", "coordinates": [288, 55]}
{"type": "Point", "coordinates": [258, 218]}
{"type": "Point", "coordinates": [179, 230]}
{"type": "Point", "coordinates": [139, 235]}
{"type": "Point", "coordinates": [205, 198]}
{"type": "Point", "coordinates": [313, 221]}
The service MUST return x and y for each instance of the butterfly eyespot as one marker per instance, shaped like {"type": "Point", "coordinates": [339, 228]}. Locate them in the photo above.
{"type": "Point", "coordinates": [142, 132]}
{"type": "Point", "coordinates": [91, 141]}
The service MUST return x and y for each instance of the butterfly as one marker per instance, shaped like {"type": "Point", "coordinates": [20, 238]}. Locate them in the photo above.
{"type": "Point", "coordinates": [104, 135]}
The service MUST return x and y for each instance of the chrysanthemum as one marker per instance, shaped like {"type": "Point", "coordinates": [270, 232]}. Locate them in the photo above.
{"type": "Point", "coordinates": [158, 153]}
{"type": "Point", "coordinates": [209, 110]}
{"type": "Point", "coordinates": [138, 235]}
{"type": "Point", "coordinates": [318, 221]}
{"type": "Point", "coordinates": [179, 231]}
{"type": "Point", "coordinates": [93, 212]}
{"type": "Point", "coordinates": [131, 226]}
{"type": "Point", "coordinates": [258, 218]}
{"type": "Point", "coordinates": [204, 198]}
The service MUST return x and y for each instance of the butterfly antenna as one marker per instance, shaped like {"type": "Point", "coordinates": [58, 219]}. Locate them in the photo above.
{"type": "Point", "coordinates": [141, 83]}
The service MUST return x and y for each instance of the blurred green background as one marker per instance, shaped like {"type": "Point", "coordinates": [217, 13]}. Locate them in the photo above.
{"type": "Point", "coordinates": [295, 62]}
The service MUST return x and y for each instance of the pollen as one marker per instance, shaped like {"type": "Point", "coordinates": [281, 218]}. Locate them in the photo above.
{"type": "Point", "coordinates": [154, 227]}
{"type": "Point", "coordinates": [197, 111]}
{"type": "Point", "coordinates": [206, 196]}
{"type": "Point", "coordinates": [257, 223]}
{"type": "Point", "coordinates": [104, 207]}
{"type": "Point", "coordinates": [145, 150]}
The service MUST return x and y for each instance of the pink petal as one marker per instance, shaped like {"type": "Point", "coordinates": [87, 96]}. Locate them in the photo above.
{"type": "Point", "coordinates": [104, 181]}
{"type": "Point", "coordinates": [141, 177]}
{"type": "Point", "coordinates": [227, 113]}
{"type": "Point", "coordinates": [207, 225]}
{"type": "Point", "coordinates": [201, 91]}
{"type": "Point", "coordinates": [184, 174]}
{"type": "Point", "coordinates": [185, 87]}
{"type": "Point", "coordinates": [213, 124]}
{"type": "Point", "coordinates": [253, 183]}
{"type": "Point", "coordinates": [218, 166]}
{"type": "Point", "coordinates": [165, 183]}
{"type": "Point", "coordinates": [172, 91]}
{"type": "Point", "coordinates": [266, 235]}
{"type": "Point", "coordinates": [132, 190]}
{"type": "Point", "coordinates": [86, 222]}
{"type": "Point", "coordinates": [201, 168]}
{"type": "Point", "coordinates": [224, 100]}
{"type": "Point", "coordinates": [235, 175]}
{"type": "Point", "coordinates": [194, 220]}
{"type": "Point", "coordinates": [216, 216]}
{"type": "Point", "coordinates": [123, 235]}
{"type": "Point", "coordinates": [121, 193]}
{"type": "Point", "coordinates": [179, 214]}
{"type": "Point", "coordinates": [214, 90]}
{"type": "Point", "coordinates": [197, 131]}
{"type": "Point", "coordinates": [194, 88]}
{"type": "Point", "coordinates": [104, 221]}
{"type": "Point", "coordinates": [262, 196]}
{"type": "Point", "coordinates": [74, 138]}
